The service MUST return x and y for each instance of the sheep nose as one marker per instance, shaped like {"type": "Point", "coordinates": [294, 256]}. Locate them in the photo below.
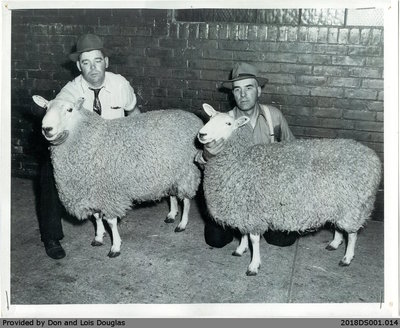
{"type": "Point", "coordinates": [46, 131]}
{"type": "Point", "coordinates": [202, 135]}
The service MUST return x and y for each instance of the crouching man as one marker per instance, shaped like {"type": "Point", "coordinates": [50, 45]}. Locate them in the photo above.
{"type": "Point", "coordinates": [269, 125]}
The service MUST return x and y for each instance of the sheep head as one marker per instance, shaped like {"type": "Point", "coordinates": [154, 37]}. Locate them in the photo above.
{"type": "Point", "coordinates": [220, 125]}
{"type": "Point", "coordinates": [59, 117]}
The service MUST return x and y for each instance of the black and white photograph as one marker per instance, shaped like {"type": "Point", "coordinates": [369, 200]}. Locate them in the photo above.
{"type": "Point", "coordinates": [174, 160]}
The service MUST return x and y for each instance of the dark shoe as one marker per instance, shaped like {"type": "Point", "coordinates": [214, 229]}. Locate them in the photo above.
{"type": "Point", "coordinates": [281, 238]}
{"type": "Point", "coordinates": [217, 236]}
{"type": "Point", "coordinates": [54, 249]}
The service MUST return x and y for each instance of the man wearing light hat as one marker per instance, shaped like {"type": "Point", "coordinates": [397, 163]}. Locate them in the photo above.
{"type": "Point", "coordinates": [269, 125]}
{"type": "Point", "coordinates": [109, 95]}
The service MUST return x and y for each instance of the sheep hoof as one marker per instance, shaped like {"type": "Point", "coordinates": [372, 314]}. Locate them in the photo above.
{"type": "Point", "coordinates": [178, 229]}
{"type": "Point", "coordinates": [343, 264]}
{"type": "Point", "coordinates": [113, 254]}
{"type": "Point", "coordinates": [96, 243]}
{"type": "Point", "coordinates": [236, 254]}
{"type": "Point", "coordinates": [169, 220]}
{"type": "Point", "coordinates": [251, 273]}
{"type": "Point", "coordinates": [330, 248]}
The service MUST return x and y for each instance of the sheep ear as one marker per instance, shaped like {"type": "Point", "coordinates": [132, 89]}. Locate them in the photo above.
{"type": "Point", "coordinates": [242, 120]}
{"type": "Point", "coordinates": [40, 101]}
{"type": "Point", "coordinates": [209, 110]}
{"type": "Point", "coordinates": [79, 103]}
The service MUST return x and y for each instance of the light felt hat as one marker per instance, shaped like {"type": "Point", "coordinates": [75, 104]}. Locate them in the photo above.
{"type": "Point", "coordinates": [243, 71]}
{"type": "Point", "coordinates": [88, 42]}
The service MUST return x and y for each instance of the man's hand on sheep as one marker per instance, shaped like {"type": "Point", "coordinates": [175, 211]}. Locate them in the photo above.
{"type": "Point", "coordinates": [213, 148]}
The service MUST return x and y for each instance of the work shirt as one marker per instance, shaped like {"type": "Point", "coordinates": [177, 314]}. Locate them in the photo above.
{"type": "Point", "coordinates": [116, 95]}
{"type": "Point", "coordinates": [261, 130]}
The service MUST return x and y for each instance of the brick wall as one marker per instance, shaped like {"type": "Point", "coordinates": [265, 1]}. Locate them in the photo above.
{"type": "Point", "coordinates": [325, 76]}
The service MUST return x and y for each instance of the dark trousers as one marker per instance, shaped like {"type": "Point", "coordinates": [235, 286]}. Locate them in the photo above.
{"type": "Point", "coordinates": [218, 236]}
{"type": "Point", "coordinates": [50, 207]}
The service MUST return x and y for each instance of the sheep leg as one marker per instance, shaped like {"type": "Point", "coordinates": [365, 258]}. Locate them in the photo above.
{"type": "Point", "coordinates": [351, 244]}
{"type": "Point", "coordinates": [255, 258]}
{"type": "Point", "coordinates": [337, 240]}
{"type": "Point", "coordinates": [243, 246]}
{"type": "Point", "coordinates": [185, 216]}
{"type": "Point", "coordinates": [173, 210]}
{"type": "Point", "coordinates": [116, 239]}
{"type": "Point", "coordinates": [100, 231]}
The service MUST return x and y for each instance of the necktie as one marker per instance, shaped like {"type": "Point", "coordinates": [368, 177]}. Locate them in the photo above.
{"type": "Point", "coordinates": [96, 101]}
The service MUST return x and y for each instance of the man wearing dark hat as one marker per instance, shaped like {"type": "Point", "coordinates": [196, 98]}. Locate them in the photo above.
{"type": "Point", "coordinates": [112, 91]}
{"type": "Point", "coordinates": [269, 125]}
{"type": "Point", "coordinates": [109, 95]}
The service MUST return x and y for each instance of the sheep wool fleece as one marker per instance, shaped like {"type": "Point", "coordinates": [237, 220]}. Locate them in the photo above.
{"type": "Point", "coordinates": [105, 165]}
{"type": "Point", "coordinates": [294, 186]}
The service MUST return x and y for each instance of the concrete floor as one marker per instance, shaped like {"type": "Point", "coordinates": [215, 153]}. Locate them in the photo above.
{"type": "Point", "coordinates": [157, 265]}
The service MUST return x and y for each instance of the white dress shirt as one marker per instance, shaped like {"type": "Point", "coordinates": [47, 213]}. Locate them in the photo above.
{"type": "Point", "coordinates": [116, 95]}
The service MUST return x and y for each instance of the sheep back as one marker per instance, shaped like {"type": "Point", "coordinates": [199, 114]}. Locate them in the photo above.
{"type": "Point", "coordinates": [105, 165]}
{"type": "Point", "coordinates": [295, 186]}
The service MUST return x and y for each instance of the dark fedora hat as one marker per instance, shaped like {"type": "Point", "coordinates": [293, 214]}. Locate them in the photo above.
{"type": "Point", "coordinates": [88, 42]}
{"type": "Point", "coordinates": [243, 71]}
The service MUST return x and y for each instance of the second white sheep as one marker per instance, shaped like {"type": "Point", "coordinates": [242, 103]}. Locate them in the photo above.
{"type": "Point", "coordinates": [292, 186]}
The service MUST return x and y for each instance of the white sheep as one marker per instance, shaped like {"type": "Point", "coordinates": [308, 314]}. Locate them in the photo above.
{"type": "Point", "coordinates": [102, 166]}
{"type": "Point", "coordinates": [288, 186]}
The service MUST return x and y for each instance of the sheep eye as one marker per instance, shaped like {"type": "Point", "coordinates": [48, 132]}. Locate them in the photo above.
{"type": "Point", "coordinates": [229, 123]}
{"type": "Point", "coordinates": [69, 110]}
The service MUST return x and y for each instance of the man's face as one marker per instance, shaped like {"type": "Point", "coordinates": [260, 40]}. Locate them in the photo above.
{"type": "Point", "coordinates": [93, 66]}
{"type": "Point", "coordinates": [246, 93]}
